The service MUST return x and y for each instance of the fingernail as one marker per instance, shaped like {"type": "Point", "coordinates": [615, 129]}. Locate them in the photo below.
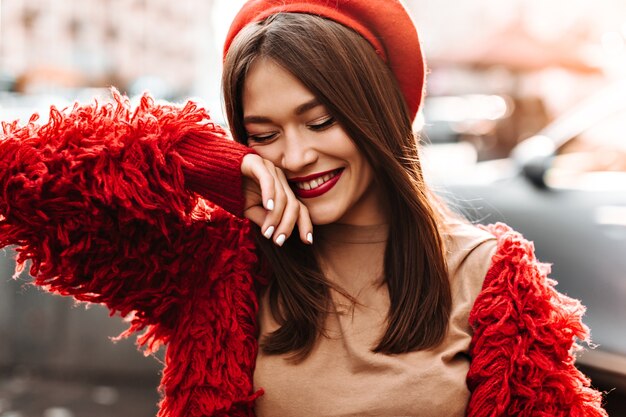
{"type": "Point", "coordinates": [269, 232]}
{"type": "Point", "coordinates": [280, 240]}
{"type": "Point", "coordinates": [309, 238]}
{"type": "Point", "coordinates": [270, 204]}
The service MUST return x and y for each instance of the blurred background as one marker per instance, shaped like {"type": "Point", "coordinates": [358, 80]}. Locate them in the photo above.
{"type": "Point", "coordinates": [524, 122]}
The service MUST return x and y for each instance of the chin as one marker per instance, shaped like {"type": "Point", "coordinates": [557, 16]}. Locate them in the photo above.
{"type": "Point", "coordinates": [322, 217]}
{"type": "Point", "coordinates": [322, 220]}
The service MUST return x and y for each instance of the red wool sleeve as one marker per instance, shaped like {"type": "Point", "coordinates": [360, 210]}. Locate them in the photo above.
{"type": "Point", "coordinates": [214, 169]}
{"type": "Point", "coordinates": [522, 350]}
{"type": "Point", "coordinates": [100, 200]}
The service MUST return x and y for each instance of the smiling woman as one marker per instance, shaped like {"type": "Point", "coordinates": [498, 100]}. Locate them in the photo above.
{"type": "Point", "coordinates": [299, 135]}
{"type": "Point", "coordinates": [273, 71]}
{"type": "Point", "coordinates": [382, 302]}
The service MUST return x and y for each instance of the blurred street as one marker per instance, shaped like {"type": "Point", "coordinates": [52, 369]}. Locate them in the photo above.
{"type": "Point", "coordinates": [57, 358]}
{"type": "Point", "coordinates": [23, 395]}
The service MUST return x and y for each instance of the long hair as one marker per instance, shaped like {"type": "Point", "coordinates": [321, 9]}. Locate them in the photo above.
{"type": "Point", "coordinates": [343, 71]}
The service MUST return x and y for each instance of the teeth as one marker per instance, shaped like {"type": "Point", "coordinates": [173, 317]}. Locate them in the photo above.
{"type": "Point", "coordinates": [309, 185]}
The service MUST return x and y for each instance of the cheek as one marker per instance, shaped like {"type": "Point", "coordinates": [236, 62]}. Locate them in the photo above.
{"type": "Point", "coordinates": [344, 146]}
{"type": "Point", "coordinates": [364, 172]}
{"type": "Point", "coordinates": [270, 152]}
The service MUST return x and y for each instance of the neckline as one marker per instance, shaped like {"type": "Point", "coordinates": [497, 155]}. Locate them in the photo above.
{"type": "Point", "coordinates": [349, 233]}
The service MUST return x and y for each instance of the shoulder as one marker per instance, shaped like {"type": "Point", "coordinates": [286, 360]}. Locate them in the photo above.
{"type": "Point", "coordinates": [517, 288]}
{"type": "Point", "coordinates": [514, 261]}
{"type": "Point", "coordinates": [467, 243]}
{"type": "Point", "coordinates": [527, 332]}
{"type": "Point", "coordinates": [469, 252]}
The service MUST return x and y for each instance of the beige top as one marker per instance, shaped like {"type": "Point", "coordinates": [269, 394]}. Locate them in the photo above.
{"type": "Point", "coordinates": [342, 377]}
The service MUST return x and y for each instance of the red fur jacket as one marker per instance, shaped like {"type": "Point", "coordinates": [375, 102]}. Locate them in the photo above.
{"type": "Point", "coordinates": [109, 206]}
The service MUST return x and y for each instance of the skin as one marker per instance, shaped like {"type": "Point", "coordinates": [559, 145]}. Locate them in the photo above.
{"type": "Point", "coordinates": [295, 136]}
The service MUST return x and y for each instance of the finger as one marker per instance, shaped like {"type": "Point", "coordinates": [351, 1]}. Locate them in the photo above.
{"type": "Point", "coordinates": [258, 169]}
{"type": "Point", "coordinates": [280, 201]}
{"type": "Point", "coordinates": [287, 223]}
{"type": "Point", "coordinates": [305, 225]}
{"type": "Point", "coordinates": [290, 213]}
{"type": "Point", "coordinates": [256, 214]}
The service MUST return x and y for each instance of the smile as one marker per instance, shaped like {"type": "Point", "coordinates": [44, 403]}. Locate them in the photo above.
{"type": "Point", "coordinates": [315, 185]}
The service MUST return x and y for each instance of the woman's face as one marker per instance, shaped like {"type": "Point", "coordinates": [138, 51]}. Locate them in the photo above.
{"type": "Point", "coordinates": [288, 126]}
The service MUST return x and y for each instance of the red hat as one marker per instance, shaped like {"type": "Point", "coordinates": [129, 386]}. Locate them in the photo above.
{"type": "Point", "coordinates": [385, 24]}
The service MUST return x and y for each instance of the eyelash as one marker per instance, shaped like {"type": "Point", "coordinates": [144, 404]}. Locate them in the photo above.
{"type": "Point", "coordinates": [316, 127]}
{"type": "Point", "coordinates": [261, 138]}
{"type": "Point", "coordinates": [323, 125]}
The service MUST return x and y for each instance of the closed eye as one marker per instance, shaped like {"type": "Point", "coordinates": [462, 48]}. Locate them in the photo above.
{"type": "Point", "coordinates": [322, 124]}
{"type": "Point", "coordinates": [262, 138]}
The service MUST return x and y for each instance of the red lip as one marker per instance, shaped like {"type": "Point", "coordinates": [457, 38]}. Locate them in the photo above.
{"type": "Point", "coordinates": [311, 177]}
{"type": "Point", "coordinates": [322, 189]}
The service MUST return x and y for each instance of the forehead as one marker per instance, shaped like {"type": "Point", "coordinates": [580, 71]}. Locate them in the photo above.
{"type": "Point", "coordinates": [268, 87]}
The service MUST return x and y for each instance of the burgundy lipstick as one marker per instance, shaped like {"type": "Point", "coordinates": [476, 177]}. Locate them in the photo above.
{"type": "Point", "coordinates": [318, 191]}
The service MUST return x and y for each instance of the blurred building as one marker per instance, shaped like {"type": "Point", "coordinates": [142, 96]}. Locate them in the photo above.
{"type": "Point", "coordinates": [176, 45]}
{"type": "Point", "coordinates": [161, 43]}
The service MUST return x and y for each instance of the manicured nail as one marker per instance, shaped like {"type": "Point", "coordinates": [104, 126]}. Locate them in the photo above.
{"type": "Point", "coordinates": [309, 238]}
{"type": "Point", "coordinates": [269, 232]}
{"type": "Point", "coordinates": [270, 204]}
{"type": "Point", "coordinates": [280, 240]}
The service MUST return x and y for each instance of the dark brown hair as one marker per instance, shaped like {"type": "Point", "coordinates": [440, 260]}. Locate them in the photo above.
{"type": "Point", "coordinates": [343, 71]}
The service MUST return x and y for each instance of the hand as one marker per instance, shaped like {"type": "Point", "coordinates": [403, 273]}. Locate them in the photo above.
{"type": "Point", "coordinates": [270, 203]}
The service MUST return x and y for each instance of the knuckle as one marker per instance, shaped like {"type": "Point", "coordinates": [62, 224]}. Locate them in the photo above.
{"type": "Point", "coordinates": [294, 211]}
{"type": "Point", "coordinates": [281, 194]}
{"type": "Point", "coordinates": [293, 201]}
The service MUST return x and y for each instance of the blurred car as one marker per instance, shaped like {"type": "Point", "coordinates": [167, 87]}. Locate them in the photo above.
{"type": "Point", "coordinates": [564, 189]}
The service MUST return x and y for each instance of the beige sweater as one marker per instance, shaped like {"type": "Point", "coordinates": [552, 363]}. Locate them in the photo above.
{"type": "Point", "coordinates": [342, 377]}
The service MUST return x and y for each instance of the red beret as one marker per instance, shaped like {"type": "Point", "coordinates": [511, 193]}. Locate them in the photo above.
{"type": "Point", "coordinates": [385, 24]}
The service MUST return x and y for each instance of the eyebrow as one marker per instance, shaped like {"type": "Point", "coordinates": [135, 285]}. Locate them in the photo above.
{"type": "Point", "coordinates": [301, 109]}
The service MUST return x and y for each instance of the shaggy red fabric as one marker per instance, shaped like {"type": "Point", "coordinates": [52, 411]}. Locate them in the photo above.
{"type": "Point", "coordinates": [524, 342]}
{"type": "Point", "coordinates": [97, 199]}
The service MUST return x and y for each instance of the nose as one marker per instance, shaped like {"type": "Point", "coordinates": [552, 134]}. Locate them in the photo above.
{"type": "Point", "coordinates": [298, 152]}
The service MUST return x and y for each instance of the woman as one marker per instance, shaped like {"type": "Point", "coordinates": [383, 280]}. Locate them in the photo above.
{"type": "Point", "coordinates": [381, 303]}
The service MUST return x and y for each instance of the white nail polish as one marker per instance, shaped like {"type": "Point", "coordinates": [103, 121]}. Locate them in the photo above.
{"type": "Point", "coordinates": [269, 232]}
{"type": "Point", "coordinates": [309, 238]}
{"type": "Point", "coordinates": [270, 204]}
{"type": "Point", "coordinates": [280, 240]}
